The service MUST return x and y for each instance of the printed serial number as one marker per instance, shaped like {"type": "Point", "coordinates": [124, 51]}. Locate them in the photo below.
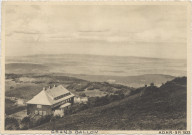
{"type": "Point", "coordinates": [174, 132]}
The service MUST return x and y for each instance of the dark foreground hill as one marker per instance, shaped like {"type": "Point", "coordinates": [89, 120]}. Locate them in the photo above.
{"type": "Point", "coordinates": [147, 108]}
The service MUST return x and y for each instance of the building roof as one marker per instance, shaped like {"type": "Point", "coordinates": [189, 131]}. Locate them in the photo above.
{"type": "Point", "coordinates": [56, 91]}
{"type": "Point", "coordinates": [46, 97]}
{"type": "Point", "coordinates": [41, 98]}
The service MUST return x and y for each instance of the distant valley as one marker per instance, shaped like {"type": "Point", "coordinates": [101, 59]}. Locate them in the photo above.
{"type": "Point", "coordinates": [130, 71]}
{"type": "Point", "coordinates": [96, 65]}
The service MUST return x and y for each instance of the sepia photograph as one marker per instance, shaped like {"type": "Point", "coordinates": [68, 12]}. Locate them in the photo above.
{"type": "Point", "coordinates": [96, 67]}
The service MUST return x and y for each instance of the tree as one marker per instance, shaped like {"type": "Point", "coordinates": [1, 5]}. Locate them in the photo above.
{"type": "Point", "coordinates": [152, 84]}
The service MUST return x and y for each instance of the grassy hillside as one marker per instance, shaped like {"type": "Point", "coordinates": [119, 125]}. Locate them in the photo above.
{"type": "Point", "coordinates": [148, 108]}
{"type": "Point", "coordinates": [11, 107]}
{"type": "Point", "coordinates": [26, 86]}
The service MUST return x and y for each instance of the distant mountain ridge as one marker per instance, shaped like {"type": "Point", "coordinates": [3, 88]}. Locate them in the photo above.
{"type": "Point", "coordinates": [103, 65]}
{"type": "Point", "coordinates": [127, 70]}
{"type": "Point", "coordinates": [86, 55]}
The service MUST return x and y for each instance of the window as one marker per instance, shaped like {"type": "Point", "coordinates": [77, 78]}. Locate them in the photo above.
{"type": "Point", "coordinates": [44, 113]}
{"type": "Point", "coordinates": [39, 106]}
{"type": "Point", "coordinates": [40, 112]}
{"type": "Point", "coordinates": [36, 112]}
{"type": "Point", "coordinates": [59, 97]}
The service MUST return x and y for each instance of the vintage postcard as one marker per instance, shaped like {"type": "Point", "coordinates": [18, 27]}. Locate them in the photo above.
{"type": "Point", "coordinates": [96, 68]}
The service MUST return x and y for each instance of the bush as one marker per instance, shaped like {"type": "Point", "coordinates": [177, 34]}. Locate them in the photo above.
{"type": "Point", "coordinates": [82, 95]}
{"type": "Point", "coordinates": [12, 76]}
{"type": "Point", "coordinates": [43, 119]}
{"type": "Point", "coordinates": [11, 123]}
{"type": "Point", "coordinates": [11, 87]}
{"type": "Point", "coordinates": [100, 101]}
{"type": "Point", "coordinates": [152, 84]}
{"type": "Point", "coordinates": [25, 122]}
{"type": "Point", "coordinates": [77, 108]}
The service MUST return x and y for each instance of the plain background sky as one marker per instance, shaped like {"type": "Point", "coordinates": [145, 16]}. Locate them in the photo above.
{"type": "Point", "coordinates": [122, 30]}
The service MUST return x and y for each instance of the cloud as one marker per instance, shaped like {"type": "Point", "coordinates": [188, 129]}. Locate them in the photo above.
{"type": "Point", "coordinates": [97, 28]}
{"type": "Point", "coordinates": [27, 32]}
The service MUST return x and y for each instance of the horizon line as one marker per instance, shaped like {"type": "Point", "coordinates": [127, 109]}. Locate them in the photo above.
{"type": "Point", "coordinates": [96, 55]}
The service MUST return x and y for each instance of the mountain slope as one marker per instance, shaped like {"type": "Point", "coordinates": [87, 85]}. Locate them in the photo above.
{"type": "Point", "coordinates": [149, 108]}
{"type": "Point", "coordinates": [24, 68]}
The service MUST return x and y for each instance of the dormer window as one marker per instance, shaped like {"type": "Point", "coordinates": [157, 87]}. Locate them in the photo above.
{"type": "Point", "coordinates": [64, 95]}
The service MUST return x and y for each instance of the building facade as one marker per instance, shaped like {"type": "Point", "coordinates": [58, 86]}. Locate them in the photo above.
{"type": "Point", "coordinates": [53, 100]}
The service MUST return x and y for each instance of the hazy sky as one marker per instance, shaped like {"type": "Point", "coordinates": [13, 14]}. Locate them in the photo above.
{"type": "Point", "coordinates": [151, 31]}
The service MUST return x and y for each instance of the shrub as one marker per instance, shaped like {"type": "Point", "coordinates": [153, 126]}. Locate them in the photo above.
{"type": "Point", "coordinates": [151, 84]}
{"type": "Point", "coordinates": [11, 123]}
{"type": "Point", "coordinates": [25, 122]}
{"type": "Point", "coordinates": [100, 101]}
{"type": "Point", "coordinates": [82, 95]}
{"type": "Point", "coordinates": [43, 119]}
